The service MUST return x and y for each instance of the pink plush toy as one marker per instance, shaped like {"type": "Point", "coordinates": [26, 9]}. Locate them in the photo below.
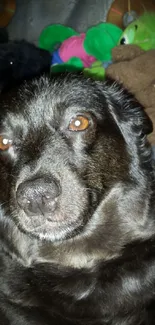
{"type": "Point", "coordinates": [73, 47]}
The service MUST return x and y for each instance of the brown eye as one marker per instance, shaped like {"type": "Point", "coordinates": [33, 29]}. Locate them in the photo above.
{"type": "Point", "coordinates": [79, 123]}
{"type": "Point", "coordinates": [5, 143]}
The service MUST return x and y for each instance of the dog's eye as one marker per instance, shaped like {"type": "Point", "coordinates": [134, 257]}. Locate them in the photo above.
{"type": "Point", "coordinates": [79, 123]}
{"type": "Point", "coordinates": [5, 143]}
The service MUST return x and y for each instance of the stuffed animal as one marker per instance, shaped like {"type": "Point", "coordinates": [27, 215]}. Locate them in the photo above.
{"type": "Point", "coordinates": [140, 32]}
{"type": "Point", "coordinates": [96, 71]}
{"type": "Point", "coordinates": [71, 51]}
{"type": "Point", "coordinates": [135, 69]}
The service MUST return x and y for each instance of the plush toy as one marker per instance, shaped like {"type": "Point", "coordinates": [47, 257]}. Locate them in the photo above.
{"type": "Point", "coordinates": [71, 51]}
{"type": "Point", "coordinates": [135, 69]}
{"type": "Point", "coordinates": [140, 32]}
{"type": "Point", "coordinates": [96, 71]}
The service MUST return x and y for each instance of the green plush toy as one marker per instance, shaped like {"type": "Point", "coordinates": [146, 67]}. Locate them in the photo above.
{"type": "Point", "coordinates": [96, 71]}
{"type": "Point", "coordinates": [71, 51]}
{"type": "Point", "coordinates": [141, 32]}
{"type": "Point", "coordinates": [100, 40]}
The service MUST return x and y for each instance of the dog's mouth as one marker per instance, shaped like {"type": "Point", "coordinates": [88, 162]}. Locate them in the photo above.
{"type": "Point", "coordinates": [57, 223]}
{"type": "Point", "coordinates": [53, 227]}
{"type": "Point", "coordinates": [52, 209]}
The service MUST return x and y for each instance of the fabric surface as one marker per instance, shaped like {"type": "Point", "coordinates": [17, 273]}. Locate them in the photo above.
{"type": "Point", "coordinates": [33, 15]}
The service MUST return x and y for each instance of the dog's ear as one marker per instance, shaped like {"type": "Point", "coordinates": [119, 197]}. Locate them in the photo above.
{"type": "Point", "coordinates": [148, 124]}
{"type": "Point", "coordinates": [128, 108]}
{"type": "Point", "coordinates": [130, 118]}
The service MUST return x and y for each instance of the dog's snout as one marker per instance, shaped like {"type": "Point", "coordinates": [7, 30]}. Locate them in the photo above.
{"type": "Point", "coordinates": [38, 196]}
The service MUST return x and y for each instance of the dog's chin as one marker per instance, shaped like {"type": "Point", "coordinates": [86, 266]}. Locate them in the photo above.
{"type": "Point", "coordinates": [47, 227]}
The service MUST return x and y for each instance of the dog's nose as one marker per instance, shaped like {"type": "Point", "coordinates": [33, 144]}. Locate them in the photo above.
{"type": "Point", "coordinates": [38, 196]}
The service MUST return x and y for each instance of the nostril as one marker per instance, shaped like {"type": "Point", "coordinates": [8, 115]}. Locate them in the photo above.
{"type": "Point", "coordinates": [24, 203]}
{"type": "Point", "coordinates": [22, 200]}
{"type": "Point", "coordinates": [50, 202]}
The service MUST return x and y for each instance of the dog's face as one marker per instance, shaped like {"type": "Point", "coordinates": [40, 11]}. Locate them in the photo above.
{"type": "Point", "coordinates": [65, 144]}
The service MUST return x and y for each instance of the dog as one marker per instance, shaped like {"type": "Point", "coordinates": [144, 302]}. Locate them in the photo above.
{"type": "Point", "coordinates": [77, 219]}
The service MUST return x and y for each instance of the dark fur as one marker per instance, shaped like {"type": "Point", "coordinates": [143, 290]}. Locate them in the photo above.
{"type": "Point", "coordinates": [93, 262]}
{"type": "Point", "coordinates": [21, 60]}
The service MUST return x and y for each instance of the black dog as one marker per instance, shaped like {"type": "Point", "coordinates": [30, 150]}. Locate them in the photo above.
{"type": "Point", "coordinates": [77, 226]}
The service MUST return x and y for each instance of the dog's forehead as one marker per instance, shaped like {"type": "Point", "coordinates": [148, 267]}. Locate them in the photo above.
{"type": "Point", "coordinates": [46, 100]}
{"type": "Point", "coordinates": [57, 95]}
{"type": "Point", "coordinates": [51, 99]}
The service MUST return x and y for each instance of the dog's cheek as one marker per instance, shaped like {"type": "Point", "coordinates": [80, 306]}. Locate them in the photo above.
{"type": "Point", "coordinates": [82, 144]}
{"type": "Point", "coordinates": [80, 140]}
